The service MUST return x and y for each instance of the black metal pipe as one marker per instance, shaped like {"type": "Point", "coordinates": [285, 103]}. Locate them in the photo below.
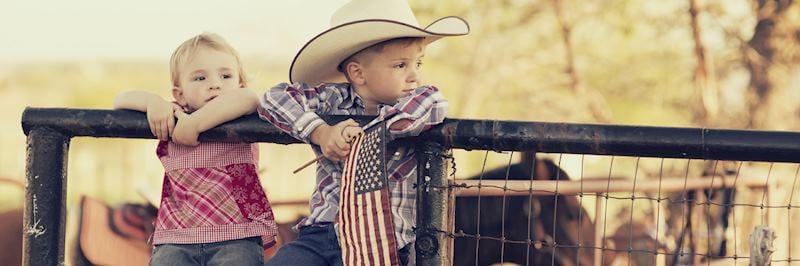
{"type": "Point", "coordinates": [668, 142]}
{"type": "Point", "coordinates": [45, 197]}
{"type": "Point", "coordinates": [644, 141]}
{"type": "Point", "coordinates": [133, 124]}
{"type": "Point", "coordinates": [431, 246]}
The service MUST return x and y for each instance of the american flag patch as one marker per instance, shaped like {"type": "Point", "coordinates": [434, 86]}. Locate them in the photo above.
{"type": "Point", "coordinates": [366, 230]}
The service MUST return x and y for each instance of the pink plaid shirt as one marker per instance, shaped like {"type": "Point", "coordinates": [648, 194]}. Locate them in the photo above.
{"type": "Point", "coordinates": [212, 193]}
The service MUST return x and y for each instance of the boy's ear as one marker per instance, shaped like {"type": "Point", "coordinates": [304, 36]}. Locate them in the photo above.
{"type": "Point", "coordinates": [356, 73]}
{"type": "Point", "coordinates": [177, 93]}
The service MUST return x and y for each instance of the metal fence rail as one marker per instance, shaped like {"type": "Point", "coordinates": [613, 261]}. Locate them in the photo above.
{"type": "Point", "coordinates": [50, 130]}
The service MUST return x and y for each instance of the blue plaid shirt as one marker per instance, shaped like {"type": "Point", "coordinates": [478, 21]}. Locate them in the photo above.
{"type": "Point", "coordinates": [295, 109]}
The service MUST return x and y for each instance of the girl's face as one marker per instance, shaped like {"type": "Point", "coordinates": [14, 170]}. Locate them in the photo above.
{"type": "Point", "coordinates": [204, 76]}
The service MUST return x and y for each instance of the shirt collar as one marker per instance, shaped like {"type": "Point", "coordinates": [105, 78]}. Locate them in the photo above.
{"type": "Point", "coordinates": [351, 98]}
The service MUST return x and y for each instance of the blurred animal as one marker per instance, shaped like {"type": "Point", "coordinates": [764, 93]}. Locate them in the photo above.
{"type": "Point", "coordinates": [544, 220]}
{"type": "Point", "coordinates": [11, 237]}
{"type": "Point", "coordinates": [11, 229]}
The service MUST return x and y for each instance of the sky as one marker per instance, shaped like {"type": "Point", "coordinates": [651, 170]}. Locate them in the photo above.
{"type": "Point", "coordinates": [39, 31]}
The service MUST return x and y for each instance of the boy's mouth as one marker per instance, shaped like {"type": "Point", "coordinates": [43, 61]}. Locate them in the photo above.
{"type": "Point", "coordinates": [211, 98]}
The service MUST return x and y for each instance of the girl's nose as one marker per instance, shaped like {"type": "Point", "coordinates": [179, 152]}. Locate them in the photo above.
{"type": "Point", "coordinates": [215, 84]}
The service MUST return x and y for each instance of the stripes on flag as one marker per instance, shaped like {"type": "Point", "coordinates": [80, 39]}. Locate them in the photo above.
{"type": "Point", "coordinates": [366, 230]}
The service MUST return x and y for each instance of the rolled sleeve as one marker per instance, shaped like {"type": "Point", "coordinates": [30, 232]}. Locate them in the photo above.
{"type": "Point", "coordinates": [423, 109]}
{"type": "Point", "coordinates": [306, 124]}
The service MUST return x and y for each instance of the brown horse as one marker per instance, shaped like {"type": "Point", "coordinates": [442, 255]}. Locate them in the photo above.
{"type": "Point", "coordinates": [544, 220]}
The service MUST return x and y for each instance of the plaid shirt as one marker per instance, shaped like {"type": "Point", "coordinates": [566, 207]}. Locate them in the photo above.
{"type": "Point", "coordinates": [212, 193]}
{"type": "Point", "coordinates": [294, 108]}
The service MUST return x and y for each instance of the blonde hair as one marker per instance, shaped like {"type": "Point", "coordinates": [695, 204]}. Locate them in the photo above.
{"type": "Point", "coordinates": [186, 50]}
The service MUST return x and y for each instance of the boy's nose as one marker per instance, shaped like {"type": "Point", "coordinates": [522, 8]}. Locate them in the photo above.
{"type": "Point", "coordinates": [413, 76]}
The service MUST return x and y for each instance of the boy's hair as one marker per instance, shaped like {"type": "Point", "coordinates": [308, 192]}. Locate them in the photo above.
{"type": "Point", "coordinates": [377, 48]}
{"type": "Point", "coordinates": [187, 49]}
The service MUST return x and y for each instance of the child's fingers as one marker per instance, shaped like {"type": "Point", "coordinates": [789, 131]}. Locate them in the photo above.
{"type": "Point", "coordinates": [153, 129]}
{"type": "Point", "coordinates": [351, 132]}
{"type": "Point", "coordinates": [342, 145]}
{"type": "Point", "coordinates": [180, 114]}
{"type": "Point", "coordinates": [170, 125]}
{"type": "Point", "coordinates": [163, 133]}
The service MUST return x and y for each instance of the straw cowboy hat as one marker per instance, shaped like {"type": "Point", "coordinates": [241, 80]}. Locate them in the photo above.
{"type": "Point", "coordinates": [358, 25]}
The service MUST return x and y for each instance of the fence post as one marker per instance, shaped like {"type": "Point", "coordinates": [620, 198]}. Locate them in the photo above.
{"type": "Point", "coordinates": [44, 221]}
{"type": "Point", "coordinates": [432, 246]}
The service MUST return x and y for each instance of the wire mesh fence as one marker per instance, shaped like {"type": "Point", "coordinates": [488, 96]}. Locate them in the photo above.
{"type": "Point", "coordinates": [684, 209]}
{"type": "Point", "coordinates": [566, 209]}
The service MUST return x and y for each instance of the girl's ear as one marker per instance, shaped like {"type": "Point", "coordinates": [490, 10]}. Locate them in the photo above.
{"type": "Point", "coordinates": [177, 93]}
{"type": "Point", "coordinates": [356, 73]}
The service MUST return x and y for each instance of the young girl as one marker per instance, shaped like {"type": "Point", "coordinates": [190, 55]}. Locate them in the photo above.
{"type": "Point", "coordinates": [213, 209]}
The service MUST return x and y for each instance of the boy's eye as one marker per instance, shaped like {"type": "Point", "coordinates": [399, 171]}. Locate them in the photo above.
{"type": "Point", "coordinates": [199, 78]}
{"type": "Point", "coordinates": [401, 65]}
{"type": "Point", "coordinates": [419, 64]}
{"type": "Point", "coordinates": [227, 76]}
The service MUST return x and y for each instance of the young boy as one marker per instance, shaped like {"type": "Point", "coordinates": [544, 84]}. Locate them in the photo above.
{"type": "Point", "coordinates": [377, 47]}
{"type": "Point", "coordinates": [213, 209]}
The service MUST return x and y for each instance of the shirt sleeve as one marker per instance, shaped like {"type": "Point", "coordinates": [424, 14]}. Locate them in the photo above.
{"type": "Point", "coordinates": [293, 108]}
{"type": "Point", "coordinates": [413, 114]}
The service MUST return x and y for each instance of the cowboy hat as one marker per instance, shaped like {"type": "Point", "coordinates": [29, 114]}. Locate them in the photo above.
{"type": "Point", "coordinates": [358, 25]}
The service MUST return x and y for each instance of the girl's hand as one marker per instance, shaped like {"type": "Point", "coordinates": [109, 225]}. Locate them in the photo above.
{"type": "Point", "coordinates": [185, 132]}
{"type": "Point", "coordinates": [161, 118]}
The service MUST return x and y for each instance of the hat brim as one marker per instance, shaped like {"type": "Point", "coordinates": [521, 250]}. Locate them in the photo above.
{"type": "Point", "coordinates": [316, 62]}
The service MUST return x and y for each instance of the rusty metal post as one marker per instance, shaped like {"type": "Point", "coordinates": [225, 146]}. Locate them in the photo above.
{"type": "Point", "coordinates": [45, 220]}
{"type": "Point", "coordinates": [432, 194]}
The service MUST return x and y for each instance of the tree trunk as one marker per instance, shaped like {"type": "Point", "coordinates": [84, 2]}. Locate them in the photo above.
{"type": "Point", "coordinates": [595, 101]}
{"type": "Point", "coordinates": [759, 56]}
{"type": "Point", "coordinates": [706, 107]}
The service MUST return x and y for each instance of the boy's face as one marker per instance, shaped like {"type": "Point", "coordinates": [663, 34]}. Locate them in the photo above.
{"type": "Point", "coordinates": [392, 73]}
{"type": "Point", "coordinates": [204, 76]}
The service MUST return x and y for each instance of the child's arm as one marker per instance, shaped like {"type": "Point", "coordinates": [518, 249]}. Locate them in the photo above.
{"type": "Point", "coordinates": [423, 109]}
{"type": "Point", "coordinates": [229, 105]}
{"type": "Point", "coordinates": [293, 108]}
{"type": "Point", "coordinates": [160, 112]}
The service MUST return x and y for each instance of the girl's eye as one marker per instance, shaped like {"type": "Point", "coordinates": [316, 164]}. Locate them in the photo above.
{"type": "Point", "coordinates": [401, 65]}
{"type": "Point", "coordinates": [227, 76]}
{"type": "Point", "coordinates": [199, 78]}
{"type": "Point", "coordinates": [419, 64]}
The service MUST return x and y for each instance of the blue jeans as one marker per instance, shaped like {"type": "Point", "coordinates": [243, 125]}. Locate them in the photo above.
{"type": "Point", "coordinates": [246, 251]}
{"type": "Point", "coordinates": [317, 245]}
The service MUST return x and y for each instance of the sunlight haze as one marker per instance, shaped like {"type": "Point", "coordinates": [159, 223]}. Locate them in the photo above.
{"type": "Point", "coordinates": [90, 30]}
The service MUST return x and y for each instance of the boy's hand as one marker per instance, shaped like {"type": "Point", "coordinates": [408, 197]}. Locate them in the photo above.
{"type": "Point", "coordinates": [351, 132]}
{"type": "Point", "coordinates": [160, 116]}
{"type": "Point", "coordinates": [186, 132]}
{"type": "Point", "coordinates": [332, 141]}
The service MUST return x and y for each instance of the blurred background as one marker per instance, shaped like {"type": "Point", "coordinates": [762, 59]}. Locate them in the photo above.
{"type": "Point", "coordinates": [697, 63]}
